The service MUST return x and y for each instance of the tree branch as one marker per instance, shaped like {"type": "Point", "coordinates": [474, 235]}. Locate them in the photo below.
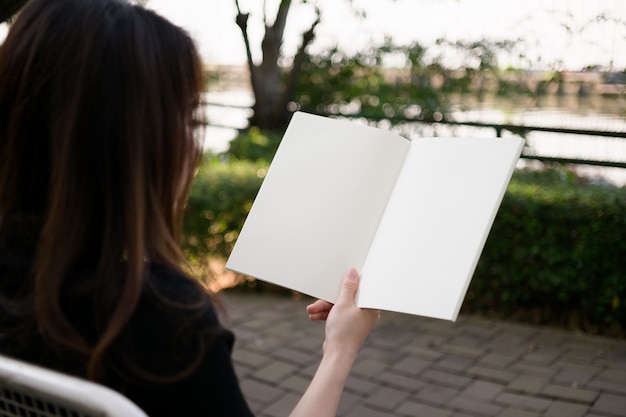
{"type": "Point", "coordinates": [242, 22]}
{"type": "Point", "coordinates": [281, 18]}
{"type": "Point", "coordinates": [273, 39]}
{"type": "Point", "coordinates": [292, 82]}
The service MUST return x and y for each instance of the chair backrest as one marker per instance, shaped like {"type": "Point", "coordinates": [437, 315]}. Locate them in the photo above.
{"type": "Point", "coordinates": [32, 391]}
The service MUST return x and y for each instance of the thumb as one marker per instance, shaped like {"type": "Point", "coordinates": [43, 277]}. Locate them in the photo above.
{"type": "Point", "coordinates": [349, 285]}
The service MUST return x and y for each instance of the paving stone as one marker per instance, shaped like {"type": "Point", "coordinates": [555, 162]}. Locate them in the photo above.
{"type": "Point", "coordinates": [509, 342]}
{"type": "Point", "coordinates": [587, 343]}
{"type": "Point", "coordinates": [310, 344]}
{"type": "Point", "coordinates": [411, 366]}
{"type": "Point", "coordinates": [582, 355]}
{"type": "Point", "coordinates": [242, 371]}
{"type": "Point", "coordinates": [461, 350]}
{"type": "Point", "coordinates": [269, 315]}
{"type": "Point", "coordinates": [480, 332]}
{"type": "Point", "coordinates": [386, 398]}
{"type": "Point", "coordinates": [526, 402]}
{"type": "Point", "coordinates": [255, 406]}
{"type": "Point", "coordinates": [360, 386]}
{"type": "Point", "coordinates": [282, 407]}
{"type": "Point", "coordinates": [429, 341]}
{"type": "Point", "coordinates": [475, 407]}
{"type": "Point", "coordinates": [243, 337]}
{"type": "Point", "coordinates": [613, 405]}
{"type": "Point", "coordinates": [469, 341]}
{"type": "Point", "coordinates": [482, 390]}
{"type": "Point", "coordinates": [309, 371]}
{"type": "Point", "coordinates": [294, 356]}
{"type": "Point", "coordinates": [561, 409]}
{"type": "Point", "coordinates": [412, 409]}
{"type": "Point", "coordinates": [446, 378]}
{"type": "Point", "coordinates": [395, 380]}
{"type": "Point", "coordinates": [259, 391]}
{"type": "Point", "coordinates": [527, 368]}
{"type": "Point", "coordinates": [455, 363]}
{"type": "Point", "coordinates": [491, 374]}
{"type": "Point", "coordinates": [437, 395]}
{"type": "Point", "coordinates": [612, 375]}
{"type": "Point", "coordinates": [607, 386]}
{"type": "Point", "coordinates": [528, 384]}
{"type": "Point", "coordinates": [296, 383]}
{"type": "Point", "coordinates": [347, 402]}
{"type": "Point", "coordinates": [514, 412]}
{"type": "Point", "coordinates": [275, 372]}
{"type": "Point", "coordinates": [542, 357]}
{"type": "Point", "coordinates": [362, 411]}
{"type": "Point", "coordinates": [249, 358]}
{"type": "Point", "coordinates": [437, 327]}
{"type": "Point", "coordinates": [496, 360]}
{"type": "Point", "coordinates": [266, 344]}
{"type": "Point", "coordinates": [574, 377]}
{"type": "Point", "coordinates": [421, 352]}
{"type": "Point", "coordinates": [615, 358]}
{"type": "Point", "coordinates": [369, 367]}
{"type": "Point", "coordinates": [571, 366]}
{"type": "Point", "coordinates": [569, 393]}
{"type": "Point", "coordinates": [389, 340]}
{"type": "Point", "coordinates": [283, 329]}
{"type": "Point", "coordinates": [255, 325]}
{"type": "Point", "coordinates": [376, 353]}
{"type": "Point", "coordinates": [552, 338]}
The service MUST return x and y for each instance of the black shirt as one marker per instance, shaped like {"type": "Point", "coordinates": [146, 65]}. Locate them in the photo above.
{"type": "Point", "coordinates": [175, 326]}
{"type": "Point", "coordinates": [158, 339]}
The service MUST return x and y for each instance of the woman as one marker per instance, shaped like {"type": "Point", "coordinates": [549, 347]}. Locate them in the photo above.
{"type": "Point", "coordinates": [99, 139]}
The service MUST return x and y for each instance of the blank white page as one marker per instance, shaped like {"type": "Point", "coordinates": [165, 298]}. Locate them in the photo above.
{"type": "Point", "coordinates": [320, 204]}
{"type": "Point", "coordinates": [436, 223]}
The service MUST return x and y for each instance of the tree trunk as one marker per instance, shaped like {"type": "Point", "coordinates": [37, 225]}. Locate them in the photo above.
{"type": "Point", "coordinates": [272, 91]}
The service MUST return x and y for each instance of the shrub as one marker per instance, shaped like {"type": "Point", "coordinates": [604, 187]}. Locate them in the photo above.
{"type": "Point", "coordinates": [556, 253]}
{"type": "Point", "coordinates": [254, 145]}
{"type": "Point", "coordinates": [221, 197]}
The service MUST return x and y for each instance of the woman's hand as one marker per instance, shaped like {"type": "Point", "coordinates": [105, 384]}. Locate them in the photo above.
{"type": "Point", "coordinates": [347, 326]}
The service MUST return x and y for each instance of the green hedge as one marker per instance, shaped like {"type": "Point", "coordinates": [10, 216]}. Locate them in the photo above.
{"type": "Point", "coordinates": [221, 197]}
{"type": "Point", "coordinates": [254, 145]}
{"type": "Point", "coordinates": [556, 253]}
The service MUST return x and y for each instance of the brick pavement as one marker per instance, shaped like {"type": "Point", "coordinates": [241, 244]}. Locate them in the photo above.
{"type": "Point", "coordinates": [413, 366]}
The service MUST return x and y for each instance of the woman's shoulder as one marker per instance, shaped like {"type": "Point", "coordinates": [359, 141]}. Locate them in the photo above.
{"type": "Point", "coordinates": [169, 291]}
{"type": "Point", "coordinates": [167, 280]}
{"type": "Point", "coordinates": [175, 321]}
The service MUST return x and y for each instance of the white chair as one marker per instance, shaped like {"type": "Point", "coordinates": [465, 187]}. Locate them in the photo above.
{"type": "Point", "coordinates": [32, 391]}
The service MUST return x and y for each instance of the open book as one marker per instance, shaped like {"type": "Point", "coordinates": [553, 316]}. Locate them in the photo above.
{"type": "Point", "coordinates": [411, 216]}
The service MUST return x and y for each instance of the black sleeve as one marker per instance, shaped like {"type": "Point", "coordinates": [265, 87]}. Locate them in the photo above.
{"type": "Point", "coordinates": [211, 390]}
{"type": "Point", "coordinates": [178, 328]}
{"type": "Point", "coordinates": [215, 384]}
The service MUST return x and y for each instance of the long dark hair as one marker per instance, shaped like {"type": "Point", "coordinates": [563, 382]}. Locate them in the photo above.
{"type": "Point", "coordinates": [99, 109]}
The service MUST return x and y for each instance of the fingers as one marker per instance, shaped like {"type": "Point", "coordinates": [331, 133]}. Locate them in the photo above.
{"type": "Point", "coordinates": [349, 285]}
{"type": "Point", "coordinates": [318, 306]}
{"type": "Point", "coordinates": [320, 309]}
{"type": "Point", "coordinates": [318, 316]}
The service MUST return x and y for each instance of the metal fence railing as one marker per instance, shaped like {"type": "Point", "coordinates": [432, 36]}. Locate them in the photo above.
{"type": "Point", "coordinates": [616, 161]}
